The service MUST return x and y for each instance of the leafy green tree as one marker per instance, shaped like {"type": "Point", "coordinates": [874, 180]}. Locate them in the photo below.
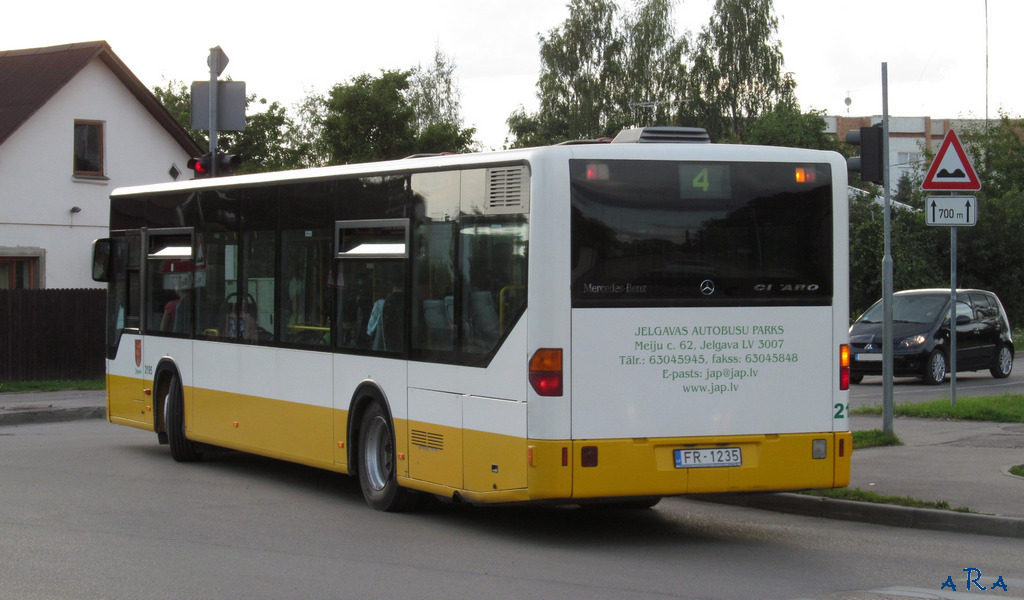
{"type": "Point", "coordinates": [265, 143]}
{"type": "Point", "coordinates": [603, 70]}
{"type": "Point", "coordinates": [176, 97]}
{"type": "Point", "coordinates": [652, 87]}
{"type": "Point", "coordinates": [373, 118]}
{"type": "Point", "coordinates": [916, 250]}
{"type": "Point", "coordinates": [785, 125]}
{"type": "Point", "coordinates": [737, 70]}
{"type": "Point", "coordinates": [579, 62]}
{"type": "Point", "coordinates": [370, 119]}
{"type": "Point", "coordinates": [433, 95]}
{"type": "Point", "coordinates": [307, 132]}
{"type": "Point", "coordinates": [989, 254]}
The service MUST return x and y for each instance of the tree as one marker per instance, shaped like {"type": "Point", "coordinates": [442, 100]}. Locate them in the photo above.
{"type": "Point", "coordinates": [177, 99]}
{"type": "Point", "coordinates": [653, 86]}
{"type": "Point", "coordinates": [580, 61]}
{"type": "Point", "coordinates": [785, 125]}
{"type": "Point", "coordinates": [433, 94]}
{"type": "Point", "coordinates": [988, 255]}
{"type": "Point", "coordinates": [436, 102]}
{"type": "Point", "coordinates": [369, 119]}
{"type": "Point", "coordinates": [374, 118]}
{"type": "Point", "coordinates": [307, 133]}
{"type": "Point", "coordinates": [737, 68]}
{"type": "Point", "coordinates": [602, 71]}
{"type": "Point", "coordinates": [265, 143]}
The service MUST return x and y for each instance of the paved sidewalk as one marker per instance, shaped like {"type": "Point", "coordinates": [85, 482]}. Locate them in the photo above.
{"type": "Point", "coordinates": [964, 463]}
{"type": "Point", "coordinates": [47, 407]}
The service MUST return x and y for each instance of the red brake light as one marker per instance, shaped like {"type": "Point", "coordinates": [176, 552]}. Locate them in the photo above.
{"type": "Point", "coordinates": [844, 367]}
{"type": "Point", "coordinates": [546, 371]}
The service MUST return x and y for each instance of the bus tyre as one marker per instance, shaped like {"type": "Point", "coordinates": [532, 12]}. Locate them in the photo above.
{"type": "Point", "coordinates": [182, 448]}
{"type": "Point", "coordinates": [377, 463]}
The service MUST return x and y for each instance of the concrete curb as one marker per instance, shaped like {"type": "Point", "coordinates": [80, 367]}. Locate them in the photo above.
{"type": "Point", "coordinates": [51, 415]}
{"type": "Point", "coordinates": [878, 514]}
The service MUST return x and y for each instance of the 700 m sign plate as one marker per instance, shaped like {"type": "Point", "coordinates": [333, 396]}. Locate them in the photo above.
{"type": "Point", "coordinates": [951, 211]}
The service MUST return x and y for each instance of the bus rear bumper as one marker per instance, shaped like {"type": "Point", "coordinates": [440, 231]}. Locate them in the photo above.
{"type": "Point", "coordinates": [673, 466]}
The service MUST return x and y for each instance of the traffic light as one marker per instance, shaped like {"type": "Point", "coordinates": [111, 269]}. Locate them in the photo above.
{"type": "Point", "coordinates": [201, 167]}
{"type": "Point", "coordinates": [204, 166]}
{"type": "Point", "coordinates": [227, 163]}
{"type": "Point", "coordinates": [869, 163]}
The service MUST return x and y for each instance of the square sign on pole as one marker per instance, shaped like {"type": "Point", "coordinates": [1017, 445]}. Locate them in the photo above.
{"type": "Point", "coordinates": [951, 211]}
{"type": "Point", "coordinates": [230, 105]}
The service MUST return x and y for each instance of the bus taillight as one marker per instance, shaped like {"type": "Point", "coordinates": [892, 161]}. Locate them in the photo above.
{"type": "Point", "coordinates": [844, 367]}
{"type": "Point", "coordinates": [546, 371]}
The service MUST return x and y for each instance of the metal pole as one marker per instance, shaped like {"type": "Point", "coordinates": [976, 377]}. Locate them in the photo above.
{"type": "Point", "coordinates": [214, 73]}
{"type": "Point", "coordinates": [887, 326]}
{"type": "Point", "coordinates": [952, 314]}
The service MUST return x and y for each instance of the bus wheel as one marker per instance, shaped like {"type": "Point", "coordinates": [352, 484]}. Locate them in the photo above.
{"type": "Point", "coordinates": [377, 463]}
{"type": "Point", "coordinates": [182, 448]}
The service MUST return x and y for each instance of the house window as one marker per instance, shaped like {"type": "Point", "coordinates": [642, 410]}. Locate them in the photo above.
{"type": "Point", "coordinates": [89, 149]}
{"type": "Point", "coordinates": [17, 273]}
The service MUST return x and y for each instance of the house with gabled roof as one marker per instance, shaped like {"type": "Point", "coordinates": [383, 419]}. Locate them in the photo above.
{"type": "Point", "coordinates": [75, 124]}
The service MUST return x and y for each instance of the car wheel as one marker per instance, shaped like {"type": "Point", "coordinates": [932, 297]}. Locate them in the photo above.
{"type": "Point", "coordinates": [1004, 363]}
{"type": "Point", "coordinates": [935, 368]}
{"type": "Point", "coordinates": [856, 378]}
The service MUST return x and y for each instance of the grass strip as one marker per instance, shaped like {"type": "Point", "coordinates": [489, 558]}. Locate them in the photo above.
{"type": "Point", "coordinates": [860, 495]}
{"type": "Point", "coordinates": [50, 386]}
{"type": "Point", "coordinates": [874, 437]}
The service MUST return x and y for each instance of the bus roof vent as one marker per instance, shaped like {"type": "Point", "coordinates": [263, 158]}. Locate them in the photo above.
{"type": "Point", "coordinates": [508, 190]}
{"type": "Point", "coordinates": [663, 135]}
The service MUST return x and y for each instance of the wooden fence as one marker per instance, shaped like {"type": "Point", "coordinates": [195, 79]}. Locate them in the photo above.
{"type": "Point", "coordinates": [51, 334]}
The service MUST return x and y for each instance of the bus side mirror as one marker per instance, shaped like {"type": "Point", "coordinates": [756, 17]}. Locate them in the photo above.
{"type": "Point", "coordinates": [101, 255]}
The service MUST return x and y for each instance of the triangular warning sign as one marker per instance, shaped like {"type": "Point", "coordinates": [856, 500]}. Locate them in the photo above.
{"type": "Point", "coordinates": [951, 170]}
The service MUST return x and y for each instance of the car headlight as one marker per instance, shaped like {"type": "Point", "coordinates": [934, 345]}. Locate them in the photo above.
{"type": "Point", "coordinates": [912, 341]}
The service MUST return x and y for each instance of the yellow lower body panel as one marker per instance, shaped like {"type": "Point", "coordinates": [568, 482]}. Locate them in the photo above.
{"type": "Point", "coordinates": [647, 466]}
{"type": "Point", "coordinates": [128, 402]}
{"type": "Point", "coordinates": [489, 468]}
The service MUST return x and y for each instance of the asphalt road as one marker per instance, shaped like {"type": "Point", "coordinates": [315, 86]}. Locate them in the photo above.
{"type": "Point", "coordinates": [910, 390]}
{"type": "Point", "coordinates": [91, 510]}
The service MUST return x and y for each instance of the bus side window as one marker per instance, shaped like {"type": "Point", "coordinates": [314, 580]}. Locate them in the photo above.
{"type": "Point", "coordinates": [494, 280]}
{"type": "Point", "coordinates": [371, 279]}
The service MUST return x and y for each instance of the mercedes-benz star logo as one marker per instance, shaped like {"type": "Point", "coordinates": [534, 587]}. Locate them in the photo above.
{"type": "Point", "coordinates": [707, 287]}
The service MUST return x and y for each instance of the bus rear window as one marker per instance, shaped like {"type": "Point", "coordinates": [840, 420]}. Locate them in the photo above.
{"type": "Point", "coordinates": [670, 233]}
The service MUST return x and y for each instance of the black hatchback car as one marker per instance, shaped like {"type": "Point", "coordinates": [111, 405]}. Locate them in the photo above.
{"type": "Point", "coordinates": [921, 336]}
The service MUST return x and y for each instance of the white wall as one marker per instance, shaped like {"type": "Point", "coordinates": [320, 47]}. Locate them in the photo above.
{"type": "Point", "coordinates": [37, 189]}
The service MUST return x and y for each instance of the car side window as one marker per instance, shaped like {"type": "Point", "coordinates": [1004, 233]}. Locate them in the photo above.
{"type": "Point", "coordinates": [964, 308]}
{"type": "Point", "coordinates": [984, 307]}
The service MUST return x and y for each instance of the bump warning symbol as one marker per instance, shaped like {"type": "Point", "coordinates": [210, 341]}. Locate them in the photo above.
{"type": "Point", "coordinates": [951, 169]}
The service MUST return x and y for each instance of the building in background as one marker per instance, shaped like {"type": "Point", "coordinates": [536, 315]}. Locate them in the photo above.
{"type": "Point", "coordinates": [75, 124]}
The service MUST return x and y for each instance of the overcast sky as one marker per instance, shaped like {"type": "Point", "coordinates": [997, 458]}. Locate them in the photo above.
{"type": "Point", "coordinates": [935, 49]}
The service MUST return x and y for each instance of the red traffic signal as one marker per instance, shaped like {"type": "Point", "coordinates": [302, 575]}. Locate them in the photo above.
{"type": "Point", "coordinates": [205, 167]}
{"type": "Point", "coordinates": [200, 166]}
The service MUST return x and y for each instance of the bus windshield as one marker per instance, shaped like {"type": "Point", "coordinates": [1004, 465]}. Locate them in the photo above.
{"type": "Point", "coordinates": [663, 233]}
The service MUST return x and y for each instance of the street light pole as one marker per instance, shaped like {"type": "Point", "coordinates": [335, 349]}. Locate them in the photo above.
{"type": "Point", "coordinates": [887, 326]}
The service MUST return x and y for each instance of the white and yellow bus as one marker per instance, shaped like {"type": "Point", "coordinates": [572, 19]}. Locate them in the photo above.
{"type": "Point", "coordinates": [604, 322]}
